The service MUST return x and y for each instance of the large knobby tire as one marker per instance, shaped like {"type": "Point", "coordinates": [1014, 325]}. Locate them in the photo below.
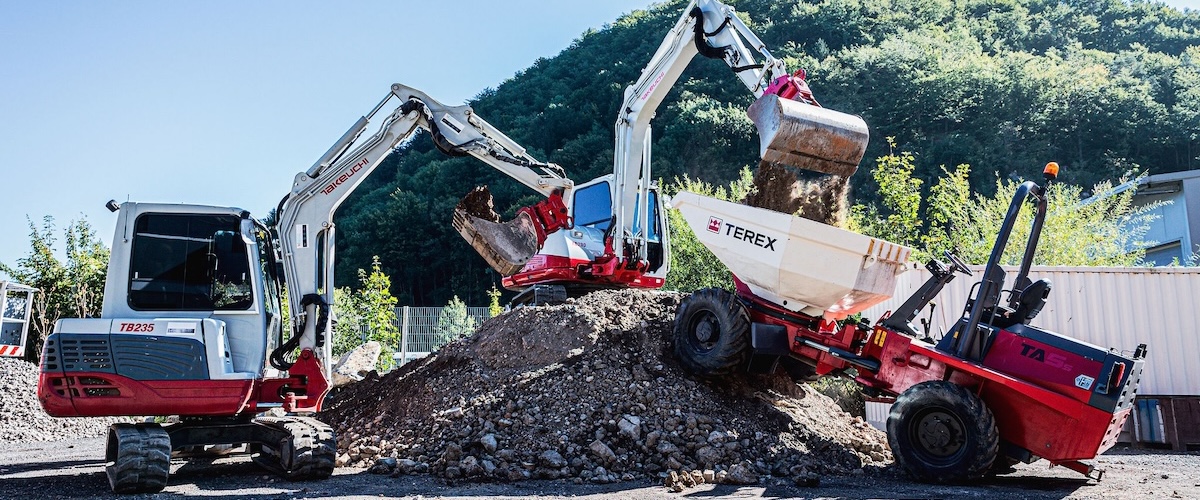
{"type": "Point", "coordinates": [940, 432]}
{"type": "Point", "coordinates": [138, 458]}
{"type": "Point", "coordinates": [712, 333]}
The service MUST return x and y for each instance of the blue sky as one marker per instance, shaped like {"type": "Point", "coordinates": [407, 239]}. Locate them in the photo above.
{"type": "Point", "coordinates": [222, 102]}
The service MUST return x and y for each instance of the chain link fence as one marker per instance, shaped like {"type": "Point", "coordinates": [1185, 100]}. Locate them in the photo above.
{"type": "Point", "coordinates": [425, 329]}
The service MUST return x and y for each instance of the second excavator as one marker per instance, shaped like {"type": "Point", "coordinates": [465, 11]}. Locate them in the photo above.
{"type": "Point", "coordinates": [610, 231]}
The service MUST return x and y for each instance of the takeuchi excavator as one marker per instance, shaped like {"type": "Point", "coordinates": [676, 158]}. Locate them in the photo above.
{"type": "Point", "coordinates": [613, 232]}
{"type": "Point", "coordinates": [191, 321]}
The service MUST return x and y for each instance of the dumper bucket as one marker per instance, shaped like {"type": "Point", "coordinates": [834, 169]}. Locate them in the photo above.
{"type": "Point", "coordinates": [506, 246]}
{"type": "Point", "coordinates": [809, 137]}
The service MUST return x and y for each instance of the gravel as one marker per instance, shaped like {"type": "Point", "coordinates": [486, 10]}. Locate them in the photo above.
{"type": "Point", "coordinates": [588, 391]}
{"type": "Point", "coordinates": [22, 417]}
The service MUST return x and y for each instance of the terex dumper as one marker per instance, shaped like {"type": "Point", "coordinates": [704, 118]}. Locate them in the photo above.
{"type": "Point", "coordinates": [993, 391]}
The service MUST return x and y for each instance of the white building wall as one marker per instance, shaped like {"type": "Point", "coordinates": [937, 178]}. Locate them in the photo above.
{"type": "Point", "coordinates": [1109, 307]}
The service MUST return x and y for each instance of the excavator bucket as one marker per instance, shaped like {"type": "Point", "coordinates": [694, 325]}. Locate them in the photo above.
{"type": "Point", "coordinates": [506, 246]}
{"type": "Point", "coordinates": [808, 137]}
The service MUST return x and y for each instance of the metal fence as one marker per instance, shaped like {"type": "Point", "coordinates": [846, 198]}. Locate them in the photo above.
{"type": "Point", "coordinates": [422, 330]}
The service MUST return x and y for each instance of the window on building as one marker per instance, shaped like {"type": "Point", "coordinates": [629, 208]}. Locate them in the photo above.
{"type": "Point", "coordinates": [1165, 254]}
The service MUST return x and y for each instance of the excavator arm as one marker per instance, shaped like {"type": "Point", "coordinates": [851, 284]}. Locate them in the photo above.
{"type": "Point", "coordinates": [305, 216]}
{"type": "Point", "coordinates": [793, 129]}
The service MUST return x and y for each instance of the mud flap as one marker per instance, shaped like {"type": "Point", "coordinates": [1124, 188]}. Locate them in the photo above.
{"type": "Point", "coordinates": [506, 246]}
{"type": "Point", "coordinates": [808, 137]}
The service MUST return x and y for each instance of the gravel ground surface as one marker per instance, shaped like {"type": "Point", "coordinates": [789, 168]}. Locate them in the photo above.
{"type": "Point", "coordinates": [75, 469]}
{"type": "Point", "coordinates": [22, 417]}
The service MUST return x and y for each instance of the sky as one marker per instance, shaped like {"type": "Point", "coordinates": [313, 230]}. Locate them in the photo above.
{"type": "Point", "coordinates": [222, 102]}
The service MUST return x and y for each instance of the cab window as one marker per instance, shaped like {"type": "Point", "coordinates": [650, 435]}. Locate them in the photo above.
{"type": "Point", "coordinates": [189, 262]}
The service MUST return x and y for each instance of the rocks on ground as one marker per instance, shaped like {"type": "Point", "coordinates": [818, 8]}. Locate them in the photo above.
{"type": "Point", "coordinates": [22, 417]}
{"type": "Point", "coordinates": [589, 391]}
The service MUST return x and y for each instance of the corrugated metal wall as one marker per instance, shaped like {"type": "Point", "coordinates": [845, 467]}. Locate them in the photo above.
{"type": "Point", "coordinates": [1112, 307]}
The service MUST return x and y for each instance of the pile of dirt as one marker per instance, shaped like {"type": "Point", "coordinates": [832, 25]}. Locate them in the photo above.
{"type": "Point", "coordinates": [589, 390]}
{"type": "Point", "coordinates": [778, 188]}
{"type": "Point", "coordinates": [22, 417]}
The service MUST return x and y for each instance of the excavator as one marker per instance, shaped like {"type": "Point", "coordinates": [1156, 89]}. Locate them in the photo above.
{"type": "Point", "coordinates": [16, 305]}
{"type": "Point", "coordinates": [191, 323]}
{"type": "Point", "coordinates": [617, 236]}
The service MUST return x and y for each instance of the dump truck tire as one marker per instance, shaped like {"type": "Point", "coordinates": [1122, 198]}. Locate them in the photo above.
{"type": "Point", "coordinates": [138, 458]}
{"type": "Point", "coordinates": [940, 432]}
{"type": "Point", "coordinates": [712, 333]}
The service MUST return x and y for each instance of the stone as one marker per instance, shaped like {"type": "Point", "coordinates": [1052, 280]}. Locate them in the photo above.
{"type": "Point", "coordinates": [453, 452]}
{"type": "Point", "coordinates": [741, 473]}
{"type": "Point", "coordinates": [630, 427]}
{"type": "Point", "coordinates": [354, 365]}
{"type": "Point", "coordinates": [470, 466]}
{"type": "Point", "coordinates": [709, 456]}
{"type": "Point", "coordinates": [489, 443]}
{"type": "Point", "coordinates": [602, 451]}
{"type": "Point", "coordinates": [552, 459]}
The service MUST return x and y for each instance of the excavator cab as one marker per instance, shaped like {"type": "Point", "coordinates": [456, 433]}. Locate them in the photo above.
{"type": "Point", "coordinates": [16, 304]}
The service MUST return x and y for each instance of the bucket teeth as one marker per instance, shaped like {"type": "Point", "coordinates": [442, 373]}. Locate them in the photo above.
{"type": "Point", "coordinates": [808, 137]}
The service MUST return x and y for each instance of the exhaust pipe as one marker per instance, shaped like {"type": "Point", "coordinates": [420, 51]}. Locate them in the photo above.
{"type": "Point", "coordinates": [808, 137]}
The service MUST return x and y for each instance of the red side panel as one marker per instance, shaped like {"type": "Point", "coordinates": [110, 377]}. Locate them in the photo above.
{"type": "Point", "coordinates": [1045, 365]}
{"type": "Point", "coordinates": [558, 270]}
{"type": "Point", "coordinates": [84, 394]}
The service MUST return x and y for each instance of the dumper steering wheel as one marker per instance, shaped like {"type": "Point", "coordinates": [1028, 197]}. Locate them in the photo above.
{"type": "Point", "coordinates": [956, 264]}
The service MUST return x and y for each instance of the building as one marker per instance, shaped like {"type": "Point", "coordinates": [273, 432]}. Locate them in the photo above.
{"type": "Point", "coordinates": [1175, 233]}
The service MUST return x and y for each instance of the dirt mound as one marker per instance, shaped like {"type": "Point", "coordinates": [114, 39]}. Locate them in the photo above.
{"type": "Point", "coordinates": [778, 188]}
{"type": "Point", "coordinates": [589, 390]}
{"type": "Point", "coordinates": [22, 417]}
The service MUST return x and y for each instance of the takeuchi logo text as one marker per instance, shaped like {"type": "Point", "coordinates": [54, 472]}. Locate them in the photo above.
{"type": "Point", "coordinates": [345, 177]}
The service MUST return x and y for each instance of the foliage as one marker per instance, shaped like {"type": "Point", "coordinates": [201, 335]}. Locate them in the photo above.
{"type": "Point", "coordinates": [1102, 87]}
{"type": "Point", "coordinates": [365, 314]}
{"type": "Point", "coordinates": [845, 392]}
{"type": "Point", "coordinates": [348, 331]}
{"type": "Point", "coordinates": [693, 266]}
{"type": "Point", "coordinates": [494, 308]}
{"type": "Point", "coordinates": [1104, 230]}
{"type": "Point", "coordinates": [71, 288]}
{"type": "Point", "coordinates": [454, 322]}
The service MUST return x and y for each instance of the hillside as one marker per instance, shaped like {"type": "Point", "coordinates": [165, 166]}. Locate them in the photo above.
{"type": "Point", "coordinates": [1102, 87]}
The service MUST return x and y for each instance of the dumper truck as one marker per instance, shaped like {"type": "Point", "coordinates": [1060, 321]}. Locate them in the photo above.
{"type": "Point", "coordinates": [993, 391]}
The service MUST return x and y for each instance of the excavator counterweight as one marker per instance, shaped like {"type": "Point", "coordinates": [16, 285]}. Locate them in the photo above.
{"type": "Point", "coordinates": [803, 136]}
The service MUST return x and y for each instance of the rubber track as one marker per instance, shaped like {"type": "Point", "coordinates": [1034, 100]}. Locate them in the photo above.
{"type": "Point", "coordinates": [310, 454]}
{"type": "Point", "coordinates": [142, 460]}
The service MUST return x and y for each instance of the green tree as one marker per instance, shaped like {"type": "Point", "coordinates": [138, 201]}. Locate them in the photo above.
{"type": "Point", "coordinates": [1104, 230]}
{"type": "Point", "coordinates": [378, 311]}
{"type": "Point", "coordinates": [70, 288]}
{"type": "Point", "coordinates": [348, 316]}
{"type": "Point", "coordinates": [693, 266]}
{"type": "Point", "coordinates": [494, 308]}
{"type": "Point", "coordinates": [454, 322]}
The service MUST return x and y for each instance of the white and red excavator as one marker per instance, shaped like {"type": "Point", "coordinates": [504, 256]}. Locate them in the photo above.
{"type": "Point", "coordinates": [618, 235]}
{"type": "Point", "coordinates": [191, 321]}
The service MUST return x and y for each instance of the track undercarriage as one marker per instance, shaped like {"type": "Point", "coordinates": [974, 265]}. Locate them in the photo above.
{"type": "Point", "coordinates": [138, 456]}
